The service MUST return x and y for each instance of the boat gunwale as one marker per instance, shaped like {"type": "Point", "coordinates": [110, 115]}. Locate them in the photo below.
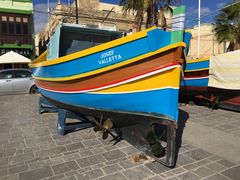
{"type": "Point", "coordinates": [113, 66]}
{"type": "Point", "coordinates": [95, 49]}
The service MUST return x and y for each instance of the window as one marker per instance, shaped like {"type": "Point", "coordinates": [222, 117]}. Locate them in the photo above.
{"type": "Point", "coordinates": [25, 29]}
{"type": "Point", "coordinates": [18, 29]}
{"type": "Point", "coordinates": [22, 74]}
{"type": "Point", "coordinates": [25, 20]}
{"type": "Point", "coordinates": [4, 18]}
{"type": "Point", "coordinates": [11, 19]}
{"type": "Point", "coordinates": [18, 19]}
{"type": "Point", "coordinates": [4, 27]}
{"type": "Point", "coordinates": [11, 28]}
{"type": "Point", "coordinates": [6, 75]}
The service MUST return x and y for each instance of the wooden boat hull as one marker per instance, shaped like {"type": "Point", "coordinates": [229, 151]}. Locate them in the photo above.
{"type": "Point", "coordinates": [133, 81]}
{"type": "Point", "coordinates": [195, 85]}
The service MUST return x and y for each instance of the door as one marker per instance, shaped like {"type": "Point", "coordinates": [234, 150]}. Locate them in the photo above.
{"type": "Point", "coordinates": [22, 81]}
{"type": "Point", "coordinates": [6, 82]}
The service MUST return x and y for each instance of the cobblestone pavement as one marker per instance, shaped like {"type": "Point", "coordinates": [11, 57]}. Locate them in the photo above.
{"type": "Point", "coordinates": [30, 149]}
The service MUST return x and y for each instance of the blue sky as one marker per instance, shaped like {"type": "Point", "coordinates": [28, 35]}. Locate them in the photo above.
{"type": "Point", "coordinates": [207, 6]}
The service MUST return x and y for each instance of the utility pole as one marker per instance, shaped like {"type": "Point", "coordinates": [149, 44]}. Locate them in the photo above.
{"type": "Point", "coordinates": [199, 28]}
{"type": "Point", "coordinates": [76, 9]}
{"type": "Point", "coordinates": [48, 10]}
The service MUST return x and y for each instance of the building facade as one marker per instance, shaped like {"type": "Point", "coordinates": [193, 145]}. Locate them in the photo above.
{"type": "Point", "coordinates": [92, 13]}
{"type": "Point", "coordinates": [209, 46]}
{"type": "Point", "coordinates": [17, 27]}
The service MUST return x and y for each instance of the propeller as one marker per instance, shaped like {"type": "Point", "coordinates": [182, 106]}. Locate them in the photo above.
{"type": "Point", "coordinates": [104, 128]}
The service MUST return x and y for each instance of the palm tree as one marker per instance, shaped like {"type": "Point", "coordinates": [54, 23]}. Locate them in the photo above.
{"type": "Point", "coordinates": [138, 6]}
{"type": "Point", "coordinates": [227, 27]}
{"type": "Point", "coordinates": [151, 7]}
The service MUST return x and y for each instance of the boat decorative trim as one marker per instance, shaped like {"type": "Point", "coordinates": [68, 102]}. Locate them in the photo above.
{"type": "Point", "coordinates": [131, 79]}
{"type": "Point", "coordinates": [172, 46]}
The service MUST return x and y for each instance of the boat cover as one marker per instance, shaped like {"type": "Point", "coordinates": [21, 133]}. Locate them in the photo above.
{"type": "Point", "coordinates": [224, 71]}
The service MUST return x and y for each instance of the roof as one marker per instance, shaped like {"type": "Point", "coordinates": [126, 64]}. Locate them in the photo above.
{"type": "Point", "coordinates": [12, 57]}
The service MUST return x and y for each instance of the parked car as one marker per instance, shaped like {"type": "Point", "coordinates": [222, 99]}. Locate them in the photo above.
{"type": "Point", "coordinates": [14, 81]}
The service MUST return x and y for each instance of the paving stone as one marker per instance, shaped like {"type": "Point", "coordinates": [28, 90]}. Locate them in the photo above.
{"type": "Point", "coordinates": [216, 167]}
{"type": "Point", "coordinates": [74, 146]}
{"type": "Point", "coordinates": [197, 154]}
{"type": "Point", "coordinates": [115, 176]}
{"type": "Point", "coordinates": [19, 144]}
{"type": "Point", "coordinates": [50, 152]}
{"type": "Point", "coordinates": [71, 173]}
{"type": "Point", "coordinates": [21, 158]}
{"type": "Point", "coordinates": [112, 168]}
{"type": "Point", "coordinates": [57, 177]}
{"type": "Point", "coordinates": [202, 162]}
{"type": "Point", "coordinates": [3, 172]}
{"type": "Point", "coordinates": [178, 170]}
{"type": "Point", "coordinates": [10, 152]}
{"type": "Point", "coordinates": [112, 155]}
{"type": "Point", "coordinates": [99, 165]}
{"type": "Point", "coordinates": [173, 178]}
{"type": "Point", "coordinates": [157, 168]}
{"type": "Point", "coordinates": [226, 163]}
{"type": "Point", "coordinates": [167, 175]}
{"type": "Point", "coordinates": [203, 172]}
{"type": "Point", "coordinates": [3, 162]}
{"type": "Point", "coordinates": [91, 160]}
{"type": "Point", "coordinates": [18, 169]}
{"type": "Point", "coordinates": [216, 177]}
{"type": "Point", "coordinates": [214, 158]}
{"type": "Point", "coordinates": [127, 164]}
{"type": "Point", "coordinates": [65, 167]}
{"type": "Point", "coordinates": [188, 176]}
{"type": "Point", "coordinates": [11, 177]}
{"type": "Point", "coordinates": [115, 161]}
{"type": "Point", "coordinates": [91, 143]}
{"type": "Point", "coordinates": [184, 160]}
{"type": "Point", "coordinates": [233, 173]}
{"type": "Point", "coordinates": [71, 157]}
{"type": "Point", "coordinates": [90, 175]}
{"type": "Point", "coordinates": [97, 150]}
{"type": "Point", "coordinates": [155, 178]}
{"type": "Point", "coordinates": [36, 174]}
{"type": "Point", "coordinates": [130, 150]}
{"type": "Point", "coordinates": [85, 153]}
{"type": "Point", "coordinates": [83, 170]}
{"type": "Point", "coordinates": [139, 172]}
{"type": "Point", "coordinates": [190, 166]}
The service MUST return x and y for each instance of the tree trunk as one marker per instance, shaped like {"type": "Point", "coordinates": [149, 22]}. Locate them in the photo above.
{"type": "Point", "coordinates": [162, 19]}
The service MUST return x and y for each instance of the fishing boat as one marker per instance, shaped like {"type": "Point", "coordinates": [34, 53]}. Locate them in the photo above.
{"type": "Point", "coordinates": [213, 80]}
{"type": "Point", "coordinates": [127, 83]}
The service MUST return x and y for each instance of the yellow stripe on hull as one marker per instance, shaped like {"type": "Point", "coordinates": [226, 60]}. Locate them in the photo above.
{"type": "Point", "coordinates": [168, 78]}
{"type": "Point", "coordinates": [197, 60]}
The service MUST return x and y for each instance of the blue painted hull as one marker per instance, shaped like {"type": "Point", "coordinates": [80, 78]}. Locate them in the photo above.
{"type": "Point", "coordinates": [155, 102]}
{"type": "Point", "coordinates": [195, 82]}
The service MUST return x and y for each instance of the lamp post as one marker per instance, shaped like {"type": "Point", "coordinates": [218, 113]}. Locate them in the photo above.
{"type": "Point", "coordinates": [199, 28]}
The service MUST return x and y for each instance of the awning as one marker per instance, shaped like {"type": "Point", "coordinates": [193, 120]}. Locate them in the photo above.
{"type": "Point", "coordinates": [12, 57]}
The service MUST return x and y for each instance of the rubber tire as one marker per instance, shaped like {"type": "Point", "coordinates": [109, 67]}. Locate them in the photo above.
{"type": "Point", "coordinates": [33, 90]}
